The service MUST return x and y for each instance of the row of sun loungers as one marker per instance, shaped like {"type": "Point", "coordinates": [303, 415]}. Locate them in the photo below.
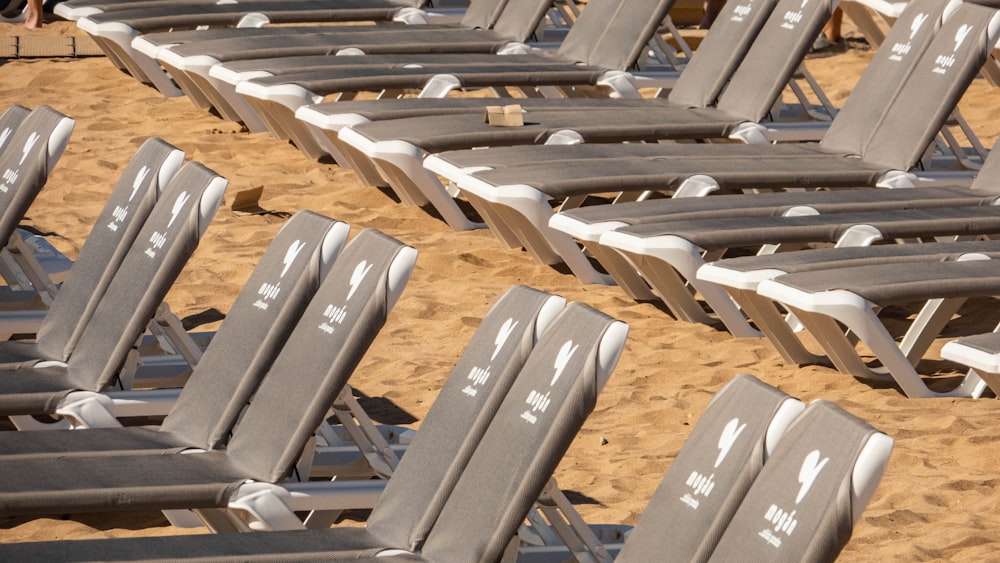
{"type": "Point", "coordinates": [334, 301]}
{"type": "Point", "coordinates": [650, 241]}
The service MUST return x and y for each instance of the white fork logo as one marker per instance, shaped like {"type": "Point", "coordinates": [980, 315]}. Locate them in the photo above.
{"type": "Point", "coordinates": [811, 466]}
{"type": "Point", "coordinates": [139, 179]}
{"type": "Point", "coordinates": [961, 34]}
{"type": "Point", "coordinates": [291, 254]}
{"type": "Point", "coordinates": [730, 433]}
{"type": "Point", "coordinates": [360, 271]}
{"type": "Point", "coordinates": [505, 330]}
{"type": "Point", "coordinates": [562, 359]}
{"type": "Point", "coordinates": [32, 139]}
{"type": "Point", "coordinates": [916, 24]}
{"type": "Point", "coordinates": [178, 206]}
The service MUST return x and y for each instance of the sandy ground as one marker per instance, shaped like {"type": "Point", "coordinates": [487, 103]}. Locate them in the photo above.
{"type": "Point", "coordinates": [939, 499]}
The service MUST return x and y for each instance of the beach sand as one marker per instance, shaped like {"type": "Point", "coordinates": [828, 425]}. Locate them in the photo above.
{"type": "Point", "coordinates": [939, 499]}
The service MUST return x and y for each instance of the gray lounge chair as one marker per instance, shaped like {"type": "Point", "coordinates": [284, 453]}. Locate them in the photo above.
{"type": "Point", "coordinates": [598, 42]}
{"type": "Point", "coordinates": [114, 30]}
{"type": "Point", "coordinates": [27, 157]}
{"type": "Point", "coordinates": [893, 143]}
{"type": "Point", "coordinates": [533, 427]}
{"type": "Point", "coordinates": [487, 27]}
{"type": "Point", "coordinates": [228, 373]}
{"type": "Point", "coordinates": [168, 237]}
{"type": "Point", "coordinates": [708, 479]}
{"type": "Point", "coordinates": [71, 304]}
{"type": "Point", "coordinates": [811, 492]}
{"type": "Point", "coordinates": [733, 53]}
{"type": "Point", "coordinates": [980, 353]}
{"type": "Point", "coordinates": [336, 328]}
{"type": "Point", "coordinates": [448, 434]}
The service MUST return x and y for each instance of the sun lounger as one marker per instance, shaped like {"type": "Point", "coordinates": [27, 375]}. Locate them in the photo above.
{"type": "Point", "coordinates": [395, 148]}
{"type": "Point", "coordinates": [812, 491]}
{"type": "Point", "coordinates": [11, 268]}
{"type": "Point", "coordinates": [825, 301]}
{"type": "Point", "coordinates": [336, 329]}
{"type": "Point", "coordinates": [70, 305]}
{"type": "Point", "coordinates": [221, 384]}
{"type": "Point", "coordinates": [896, 144]}
{"type": "Point", "coordinates": [75, 9]}
{"type": "Point", "coordinates": [28, 154]}
{"type": "Point", "coordinates": [453, 426]}
{"type": "Point", "coordinates": [167, 239]}
{"type": "Point", "coordinates": [603, 38]}
{"type": "Point", "coordinates": [114, 30]}
{"type": "Point", "coordinates": [532, 429]}
{"type": "Point", "coordinates": [979, 352]}
{"type": "Point", "coordinates": [488, 27]}
{"type": "Point", "coordinates": [711, 474]}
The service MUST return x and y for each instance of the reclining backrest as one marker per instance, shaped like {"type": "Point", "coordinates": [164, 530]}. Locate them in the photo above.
{"type": "Point", "coordinates": [255, 329]}
{"type": "Point", "coordinates": [720, 52]}
{"type": "Point", "coordinates": [713, 471]}
{"type": "Point", "coordinates": [613, 34]}
{"type": "Point", "coordinates": [775, 55]}
{"type": "Point", "coordinates": [483, 14]}
{"type": "Point", "coordinates": [330, 339]}
{"type": "Point", "coordinates": [802, 505]}
{"type": "Point", "coordinates": [987, 179]}
{"type": "Point", "coordinates": [533, 427]}
{"type": "Point", "coordinates": [9, 121]}
{"type": "Point", "coordinates": [456, 421]}
{"type": "Point", "coordinates": [934, 88]}
{"type": "Point", "coordinates": [881, 81]}
{"type": "Point", "coordinates": [31, 153]}
{"type": "Point", "coordinates": [520, 19]}
{"type": "Point", "coordinates": [162, 247]}
{"type": "Point", "coordinates": [109, 240]}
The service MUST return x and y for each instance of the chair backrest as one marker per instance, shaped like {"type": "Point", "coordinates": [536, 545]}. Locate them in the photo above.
{"type": "Point", "coordinates": [987, 179]}
{"type": "Point", "coordinates": [721, 52]}
{"type": "Point", "coordinates": [804, 503]}
{"type": "Point", "coordinates": [774, 57]}
{"type": "Point", "coordinates": [9, 121]}
{"type": "Point", "coordinates": [130, 203]}
{"type": "Point", "coordinates": [520, 19]}
{"type": "Point", "coordinates": [879, 85]}
{"type": "Point", "coordinates": [330, 339]}
{"type": "Point", "coordinates": [713, 471]}
{"type": "Point", "coordinates": [613, 33]}
{"type": "Point", "coordinates": [255, 329]}
{"type": "Point", "coordinates": [483, 14]}
{"type": "Point", "coordinates": [31, 153]}
{"type": "Point", "coordinates": [166, 241]}
{"type": "Point", "coordinates": [531, 431]}
{"type": "Point", "coordinates": [933, 89]}
{"type": "Point", "coordinates": [456, 421]}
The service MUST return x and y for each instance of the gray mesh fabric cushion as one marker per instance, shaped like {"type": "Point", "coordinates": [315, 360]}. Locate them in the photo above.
{"type": "Point", "coordinates": [707, 481]}
{"type": "Point", "coordinates": [116, 227]}
{"type": "Point", "coordinates": [463, 410]}
{"type": "Point", "coordinates": [532, 429]}
{"type": "Point", "coordinates": [799, 508]}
